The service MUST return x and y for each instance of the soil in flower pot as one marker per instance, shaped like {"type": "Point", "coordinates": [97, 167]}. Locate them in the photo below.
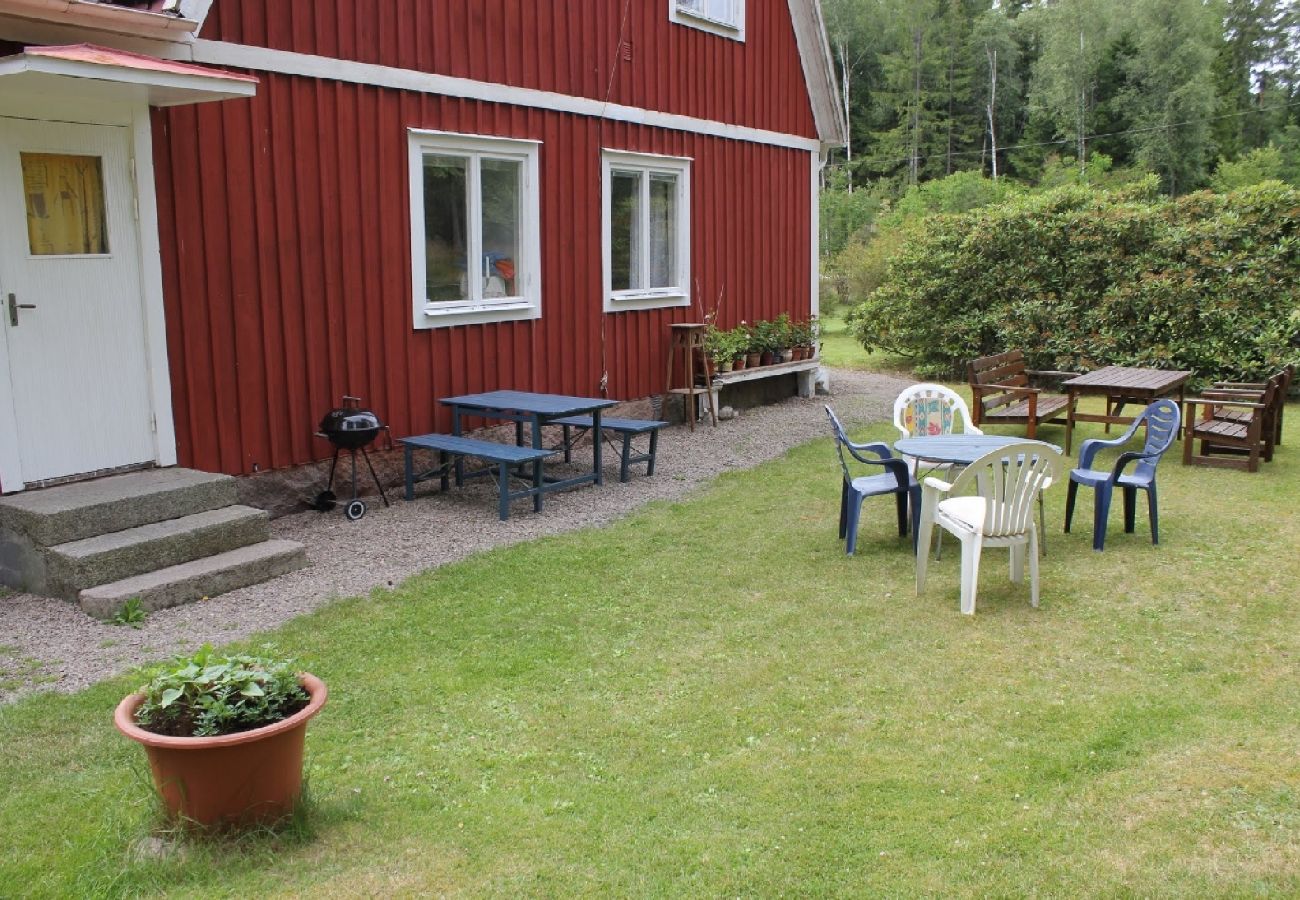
{"type": "Point", "coordinates": [247, 778]}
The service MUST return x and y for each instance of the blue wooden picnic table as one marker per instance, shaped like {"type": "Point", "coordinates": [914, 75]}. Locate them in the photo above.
{"type": "Point", "coordinates": [536, 410]}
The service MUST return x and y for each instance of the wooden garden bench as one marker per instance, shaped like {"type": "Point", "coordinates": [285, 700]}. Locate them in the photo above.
{"type": "Point", "coordinates": [502, 457]}
{"type": "Point", "coordinates": [1001, 393]}
{"type": "Point", "coordinates": [628, 428]}
{"type": "Point", "coordinates": [1236, 427]}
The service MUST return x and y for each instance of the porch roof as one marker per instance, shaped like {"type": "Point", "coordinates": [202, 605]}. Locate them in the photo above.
{"type": "Point", "coordinates": [162, 82]}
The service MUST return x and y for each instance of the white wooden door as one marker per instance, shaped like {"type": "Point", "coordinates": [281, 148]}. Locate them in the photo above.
{"type": "Point", "coordinates": [75, 380]}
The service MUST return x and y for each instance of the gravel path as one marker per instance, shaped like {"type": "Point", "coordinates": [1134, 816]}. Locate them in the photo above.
{"type": "Point", "coordinates": [50, 644]}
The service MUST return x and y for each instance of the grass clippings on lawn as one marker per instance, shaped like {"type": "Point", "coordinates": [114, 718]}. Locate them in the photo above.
{"type": "Point", "coordinates": [710, 698]}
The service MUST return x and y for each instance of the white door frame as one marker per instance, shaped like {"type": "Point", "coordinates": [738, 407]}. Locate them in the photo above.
{"type": "Point", "coordinates": [134, 115]}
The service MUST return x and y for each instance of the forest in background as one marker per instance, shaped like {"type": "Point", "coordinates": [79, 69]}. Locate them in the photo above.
{"type": "Point", "coordinates": [1200, 93]}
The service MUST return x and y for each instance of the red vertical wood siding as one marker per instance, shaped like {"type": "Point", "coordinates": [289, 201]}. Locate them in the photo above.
{"type": "Point", "coordinates": [566, 46]}
{"type": "Point", "coordinates": [287, 269]}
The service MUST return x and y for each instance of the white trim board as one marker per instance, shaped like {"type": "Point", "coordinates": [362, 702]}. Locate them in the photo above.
{"type": "Point", "coordinates": [284, 62]}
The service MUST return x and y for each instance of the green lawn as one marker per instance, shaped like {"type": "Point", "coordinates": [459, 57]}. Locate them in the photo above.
{"type": "Point", "coordinates": [841, 350]}
{"type": "Point", "coordinates": [709, 698]}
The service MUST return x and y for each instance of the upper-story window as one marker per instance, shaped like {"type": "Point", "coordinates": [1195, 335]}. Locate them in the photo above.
{"type": "Point", "coordinates": [474, 229]}
{"type": "Point", "coordinates": [721, 17]}
{"type": "Point", "coordinates": [646, 233]}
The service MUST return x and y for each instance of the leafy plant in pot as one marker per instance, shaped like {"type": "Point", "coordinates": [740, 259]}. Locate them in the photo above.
{"type": "Point", "coordinates": [224, 735]}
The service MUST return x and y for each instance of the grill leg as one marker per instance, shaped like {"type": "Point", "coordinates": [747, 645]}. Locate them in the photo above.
{"type": "Point", "coordinates": [379, 484]}
{"type": "Point", "coordinates": [333, 464]}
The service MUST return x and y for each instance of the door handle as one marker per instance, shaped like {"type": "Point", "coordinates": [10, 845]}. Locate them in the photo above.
{"type": "Point", "coordinates": [14, 306]}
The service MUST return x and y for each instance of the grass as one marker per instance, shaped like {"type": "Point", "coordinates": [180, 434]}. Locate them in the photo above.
{"type": "Point", "coordinates": [841, 350]}
{"type": "Point", "coordinates": [709, 698]}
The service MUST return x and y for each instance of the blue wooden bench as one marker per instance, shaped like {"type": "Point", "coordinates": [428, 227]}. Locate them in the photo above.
{"type": "Point", "coordinates": [503, 457]}
{"type": "Point", "coordinates": [628, 428]}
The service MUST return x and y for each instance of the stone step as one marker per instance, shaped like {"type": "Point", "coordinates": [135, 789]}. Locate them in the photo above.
{"type": "Point", "coordinates": [191, 581]}
{"type": "Point", "coordinates": [83, 509]}
{"type": "Point", "coordinates": [145, 548]}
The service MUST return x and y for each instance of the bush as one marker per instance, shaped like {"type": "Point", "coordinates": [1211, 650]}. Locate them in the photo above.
{"type": "Point", "coordinates": [1080, 279]}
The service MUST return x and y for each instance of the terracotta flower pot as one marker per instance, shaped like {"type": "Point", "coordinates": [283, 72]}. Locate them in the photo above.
{"type": "Point", "coordinates": [753, 359]}
{"type": "Point", "coordinates": [767, 358]}
{"type": "Point", "coordinates": [738, 363]}
{"type": "Point", "coordinates": [251, 777]}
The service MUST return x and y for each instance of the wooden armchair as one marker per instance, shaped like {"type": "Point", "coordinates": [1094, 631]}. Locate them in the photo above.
{"type": "Point", "coordinates": [1236, 427]}
{"type": "Point", "coordinates": [1286, 373]}
{"type": "Point", "coordinates": [1001, 393]}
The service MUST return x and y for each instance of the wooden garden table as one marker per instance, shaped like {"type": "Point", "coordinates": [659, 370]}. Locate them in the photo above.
{"type": "Point", "coordinates": [1121, 385]}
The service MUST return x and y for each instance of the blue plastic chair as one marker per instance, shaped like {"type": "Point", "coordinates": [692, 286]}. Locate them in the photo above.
{"type": "Point", "coordinates": [896, 480]}
{"type": "Point", "coordinates": [1162, 420]}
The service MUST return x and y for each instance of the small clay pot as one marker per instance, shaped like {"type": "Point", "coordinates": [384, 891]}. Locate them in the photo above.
{"type": "Point", "coordinates": [767, 358]}
{"type": "Point", "coordinates": [248, 778]}
{"type": "Point", "coordinates": [753, 360]}
{"type": "Point", "coordinates": [738, 363]}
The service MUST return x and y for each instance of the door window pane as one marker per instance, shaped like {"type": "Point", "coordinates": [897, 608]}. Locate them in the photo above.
{"type": "Point", "coordinates": [502, 181]}
{"type": "Point", "coordinates": [663, 231]}
{"type": "Point", "coordinates": [446, 185]}
{"type": "Point", "coordinates": [625, 231]}
{"type": "Point", "coordinates": [66, 213]}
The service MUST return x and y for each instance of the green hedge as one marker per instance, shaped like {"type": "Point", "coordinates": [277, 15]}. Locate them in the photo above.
{"type": "Point", "coordinates": [1079, 279]}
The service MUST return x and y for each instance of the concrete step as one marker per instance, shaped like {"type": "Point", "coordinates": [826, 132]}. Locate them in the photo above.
{"type": "Point", "coordinates": [145, 548]}
{"type": "Point", "coordinates": [190, 581]}
{"type": "Point", "coordinates": [72, 512]}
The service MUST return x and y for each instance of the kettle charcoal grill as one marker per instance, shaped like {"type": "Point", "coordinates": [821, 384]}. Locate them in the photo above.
{"type": "Point", "coordinates": [351, 428]}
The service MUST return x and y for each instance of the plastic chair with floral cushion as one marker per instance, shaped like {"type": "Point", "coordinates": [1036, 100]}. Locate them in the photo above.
{"type": "Point", "coordinates": [925, 410]}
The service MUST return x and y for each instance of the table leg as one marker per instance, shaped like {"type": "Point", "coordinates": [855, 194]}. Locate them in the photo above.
{"type": "Point", "coordinates": [597, 435]}
{"type": "Point", "coordinates": [519, 433]}
{"type": "Point", "coordinates": [460, 460]}
{"type": "Point", "coordinates": [1069, 419]}
{"type": "Point", "coordinates": [410, 472]}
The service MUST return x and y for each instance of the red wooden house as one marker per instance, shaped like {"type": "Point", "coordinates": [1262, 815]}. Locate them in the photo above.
{"type": "Point", "coordinates": [219, 216]}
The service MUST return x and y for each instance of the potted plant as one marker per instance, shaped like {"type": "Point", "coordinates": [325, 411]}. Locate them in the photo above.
{"type": "Point", "coordinates": [718, 348]}
{"type": "Point", "coordinates": [224, 735]}
{"type": "Point", "coordinates": [814, 334]}
{"type": "Point", "coordinates": [783, 336]}
{"type": "Point", "coordinates": [799, 337]}
{"type": "Point", "coordinates": [739, 339]}
{"type": "Point", "coordinates": [765, 339]}
{"type": "Point", "coordinates": [753, 349]}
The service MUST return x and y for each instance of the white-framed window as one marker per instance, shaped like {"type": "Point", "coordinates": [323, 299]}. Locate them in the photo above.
{"type": "Point", "coordinates": [646, 225]}
{"type": "Point", "coordinates": [721, 17]}
{"type": "Point", "coordinates": [475, 219]}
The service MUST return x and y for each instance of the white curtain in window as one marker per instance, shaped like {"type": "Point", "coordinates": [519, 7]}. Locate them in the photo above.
{"type": "Point", "coordinates": [718, 10]}
{"type": "Point", "coordinates": [663, 231]}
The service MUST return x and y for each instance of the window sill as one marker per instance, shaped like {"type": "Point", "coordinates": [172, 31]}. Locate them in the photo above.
{"type": "Point", "coordinates": [626, 302]}
{"type": "Point", "coordinates": [449, 315]}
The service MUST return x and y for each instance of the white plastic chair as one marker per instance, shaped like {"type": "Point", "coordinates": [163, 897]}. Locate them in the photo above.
{"type": "Point", "coordinates": [930, 409]}
{"type": "Point", "coordinates": [999, 514]}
